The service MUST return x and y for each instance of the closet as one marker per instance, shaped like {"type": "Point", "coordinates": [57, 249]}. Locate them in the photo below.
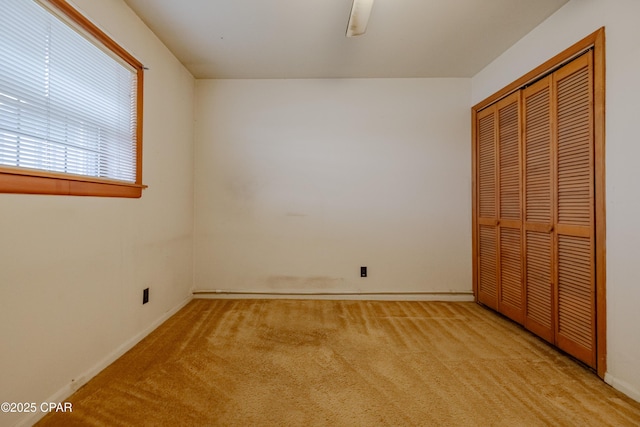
{"type": "Point", "coordinates": [538, 151]}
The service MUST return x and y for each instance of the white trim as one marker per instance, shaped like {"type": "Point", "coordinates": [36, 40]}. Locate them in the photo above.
{"type": "Point", "coordinates": [622, 386]}
{"type": "Point", "coordinates": [378, 296]}
{"type": "Point", "coordinates": [86, 376]}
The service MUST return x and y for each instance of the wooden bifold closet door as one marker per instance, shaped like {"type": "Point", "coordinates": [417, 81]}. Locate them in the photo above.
{"type": "Point", "coordinates": [535, 196]}
{"type": "Point", "coordinates": [500, 221]}
{"type": "Point", "coordinates": [574, 213]}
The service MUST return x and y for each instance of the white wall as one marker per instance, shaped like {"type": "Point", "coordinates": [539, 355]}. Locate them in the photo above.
{"type": "Point", "coordinates": [301, 182]}
{"type": "Point", "coordinates": [574, 21]}
{"type": "Point", "coordinates": [72, 269]}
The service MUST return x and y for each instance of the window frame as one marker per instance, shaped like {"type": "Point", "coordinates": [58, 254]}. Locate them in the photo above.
{"type": "Point", "coordinates": [32, 181]}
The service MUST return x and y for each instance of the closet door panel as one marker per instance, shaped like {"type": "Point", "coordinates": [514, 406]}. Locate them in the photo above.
{"type": "Point", "coordinates": [487, 209]}
{"type": "Point", "coordinates": [511, 298]}
{"type": "Point", "coordinates": [575, 331]}
{"type": "Point", "coordinates": [538, 210]}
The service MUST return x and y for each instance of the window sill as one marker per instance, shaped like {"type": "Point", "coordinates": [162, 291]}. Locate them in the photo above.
{"type": "Point", "coordinates": [37, 182]}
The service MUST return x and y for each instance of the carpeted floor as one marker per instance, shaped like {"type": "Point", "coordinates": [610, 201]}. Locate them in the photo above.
{"type": "Point", "coordinates": [344, 363]}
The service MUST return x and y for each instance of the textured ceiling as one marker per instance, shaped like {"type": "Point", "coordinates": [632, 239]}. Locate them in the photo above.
{"type": "Point", "coordinates": [306, 38]}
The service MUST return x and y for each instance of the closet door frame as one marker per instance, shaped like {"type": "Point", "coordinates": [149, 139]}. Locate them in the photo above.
{"type": "Point", "coordinates": [595, 41]}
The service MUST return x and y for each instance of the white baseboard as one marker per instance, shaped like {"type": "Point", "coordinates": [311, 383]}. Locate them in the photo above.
{"type": "Point", "coordinates": [622, 386]}
{"type": "Point", "coordinates": [83, 378]}
{"type": "Point", "coordinates": [378, 296]}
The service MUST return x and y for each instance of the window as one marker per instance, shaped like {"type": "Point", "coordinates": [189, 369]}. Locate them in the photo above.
{"type": "Point", "coordinates": [70, 105]}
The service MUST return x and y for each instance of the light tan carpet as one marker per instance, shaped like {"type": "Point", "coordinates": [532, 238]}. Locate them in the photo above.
{"type": "Point", "coordinates": [344, 363]}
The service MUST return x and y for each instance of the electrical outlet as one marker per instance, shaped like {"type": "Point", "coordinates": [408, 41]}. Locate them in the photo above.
{"type": "Point", "coordinates": [363, 271]}
{"type": "Point", "coordinates": [145, 296]}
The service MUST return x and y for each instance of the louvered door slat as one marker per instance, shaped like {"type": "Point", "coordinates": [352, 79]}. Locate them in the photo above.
{"type": "Point", "coordinates": [575, 331]}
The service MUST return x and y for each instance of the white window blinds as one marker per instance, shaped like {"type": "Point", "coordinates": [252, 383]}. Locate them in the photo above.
{"type": "Point", "coordinates": [66, 105]}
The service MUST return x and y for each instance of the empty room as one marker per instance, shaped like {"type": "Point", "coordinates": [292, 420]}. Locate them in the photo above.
{"type": "Point", "coordinates": [339, 212]}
